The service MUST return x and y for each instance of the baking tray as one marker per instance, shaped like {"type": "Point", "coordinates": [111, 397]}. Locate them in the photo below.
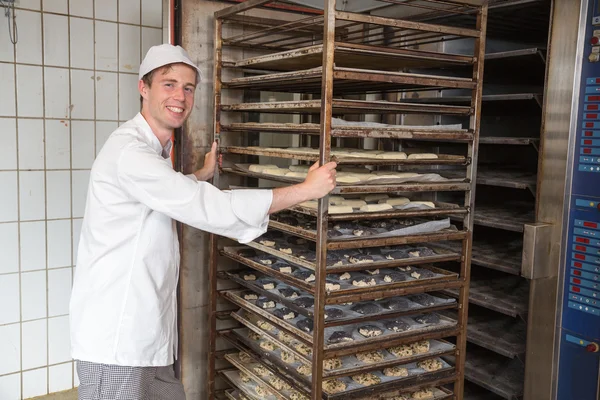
{"type": "Point", "coordinates": [354, 390]}
{"type": "Point", "coordinates": [415, 332]}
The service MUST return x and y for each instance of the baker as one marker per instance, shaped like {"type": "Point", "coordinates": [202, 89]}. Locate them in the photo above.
{"type": "Point", "coordinates": [123, 304]}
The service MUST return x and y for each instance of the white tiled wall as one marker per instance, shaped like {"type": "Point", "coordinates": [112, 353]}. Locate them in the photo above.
{"type": "Point", "coordinates": [66, 85]}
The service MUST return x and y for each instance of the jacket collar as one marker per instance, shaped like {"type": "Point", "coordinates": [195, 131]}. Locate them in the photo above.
{"type": "Point", "coordinates": [151, 138]}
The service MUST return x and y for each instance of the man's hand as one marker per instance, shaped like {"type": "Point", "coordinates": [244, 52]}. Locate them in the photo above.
{"type": "Point", "coordinates": [319, 181]}
{"type": "Point", "coordinates": [210, 165]}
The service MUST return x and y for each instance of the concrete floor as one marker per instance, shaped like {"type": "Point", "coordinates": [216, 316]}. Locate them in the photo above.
{"type": "Point", "coordinates": [66, 395]}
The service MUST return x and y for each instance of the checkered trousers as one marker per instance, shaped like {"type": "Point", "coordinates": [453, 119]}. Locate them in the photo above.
{"type": "Point", "coordinates": [115, 382]}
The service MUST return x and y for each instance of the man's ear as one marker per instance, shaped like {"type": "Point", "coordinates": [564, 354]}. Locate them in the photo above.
{"type": "Point", "coordinates": [142, 88]}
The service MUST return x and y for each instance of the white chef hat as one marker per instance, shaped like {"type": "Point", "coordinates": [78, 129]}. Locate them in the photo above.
{"type": "Point", "coordinates": [165, 54]}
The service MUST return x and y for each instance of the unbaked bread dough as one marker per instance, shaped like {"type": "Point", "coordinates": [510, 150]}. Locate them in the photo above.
{"type": "Point", "coordinates": [401, 351]}
{"type": "Point", "coordinates": [299, 168]}
{"type": "Point", "coordinates": [276, 171]}
{"type": "Point", "coordinates": [376, 207]}
{"type": "Point", "coordinates": [425, 393]}
{"type": "Point", "coordinates": [269, 346]}
{"type": "Point", "coordinates": [304, 369]}
{"type": "Point", "coordinates": [347, 179]}
{"type": "Point", "coordinates": [296, 174]}
{"type": "Point", "coordinates": [260, 168]}
{"type": "Point", "coordinates": [303, 349]}
{"type": "Point", "coordinates": [430, 365]}
{"type": "Point", "coordinates": [285, 337]}
{"type": "Point", "coordinates": [279, 383]}
{"type": "Point", "coordinates": [366, 379]}
{"type": "Point", "coordinates": [262, 391]}
{"type": "Point", "coordinates": [333, 386]}
{"type": "Point", "coordinates": [244, 377]}
{"type": "Point", "coordinates": [339, 209]}
{"type": "Point", "coordinates": [332, 363]}
{"type": "Point", "coordinates": [395, 371]}
{"type": "Point", "coordinates": [423, 156]}
{"type": "Point", "coordinates": [288, 358]}
{"type": "Point", "coordinates": [244, 357]}
{"type": "Point", "coordinates": [423, 203]}
{"type": "Point", "coordinates": [420, 347]}
{"type": "Point", "coordinates": [396, 201]}
{"type": "Point", "coordinates": [355, 170]}
{"type": "Point", "coordinates": [260, 370]}
{"type": "Point", "coordinates": [392, 155]}
{"type": "Point", "coordinates": [370, 357]}
{"type": "Point", "coordinates": [265, 325]}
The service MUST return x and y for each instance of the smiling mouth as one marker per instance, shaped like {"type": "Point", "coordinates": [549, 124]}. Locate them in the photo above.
{"type": "Point", "coordinates": [177, 110]}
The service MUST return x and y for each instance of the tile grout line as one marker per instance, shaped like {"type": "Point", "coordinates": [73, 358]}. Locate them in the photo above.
{"type": "Point", "coordinates": [70, 119]}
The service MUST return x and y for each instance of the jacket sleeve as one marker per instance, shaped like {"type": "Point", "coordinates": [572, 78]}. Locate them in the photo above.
{"type": "Point", "coordinates": [150, 179]}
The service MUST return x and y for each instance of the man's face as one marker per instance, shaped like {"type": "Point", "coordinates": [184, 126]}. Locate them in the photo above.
{"type": "Point", "coordinates": [170, 98]}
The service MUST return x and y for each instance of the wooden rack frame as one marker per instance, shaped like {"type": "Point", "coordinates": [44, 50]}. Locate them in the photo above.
{"type": "Point", "coordinates": [323, 55]}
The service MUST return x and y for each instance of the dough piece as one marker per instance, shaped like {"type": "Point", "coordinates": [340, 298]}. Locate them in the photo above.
{"type": "Point", "coordinates": [262, 324]}
{"type": "Point", "coordinates": [397, 255]}
{"type": "Point", "coordinates": [262, 391]}
{"type": "Point", "coordinates": [260, 168]}
{"type": "Point", "coordinates": [284, 313]}
{"type": "Point", "coordinates": [345, 276]}
{"type": "Point", "coordinates": [420, 347]}
{"type": "Point", "coordinates": [250, 296]}
{"type": "Point", "coordinates": [285, 337]}
{"type": "Point", "coordinates": [427, 319]}
{"type": "Point", "coordinates": [244, 377]}
{"type": "Point", "coordinates": [370, 357]}
{"type": "Point", "coordinates": [397, 326]}
{"type": "Point", "coordinates": [347, 179]}
{"type": "Point", "coordinates": [340, 209]}
{"type": "Point", "coordinates": [392, 155]}
{"type": "Point", "coordinates": [244, 357]}
{"type": "Point", "coordinates": [423, 156]}
{"type": "Point", "coordinates": [363, 232]}
{"type": "Point", "coordinates": [396, 201]}
{"type": "Point", "coordinates": [394, 277]}
{"type": "Point", "coordinates": [395, 371]}
{"type": "Point", "coordinates": [354, 203]}
{"type": "Point", "coordinates": [405, 268]}
{"type": "Point", "coordinates": [267, 242]}
{"type": "Point", "coordinates": [376, 207]}
{"type": "Point", "coordinates": [422, 252]}
{"type": "Point", "coordinates": [363, 281]}
{"type": "Point", "coordinates": [305, 324]}
{"type": "Point", "coordinates": [289, 293]}
{"type": "Point", "coordinates": [268, 285]}
{"type": "Point", "coordinates": [340, 337]}
{"type": "Point", "coordinates": [304, 302]}
{"type": "Point", "coordinates": [366, 308]}
{"type": "Point", "coordinates": [336, 200]}
{"type": "Point", "coordinates": [370, 331]}
{"type": "Point", "coordinates": [304, 369]}
{"type": "Point", "coordinates": [299, 168]}
{"type": "Point", "coordinates": [301, 175]}
{"type": "Point", "coordinates": [425, 393]}
{"type": "Point", "coordinates": [333, 313]}
{"type": "Point", "coordinates": [248, 276]}
{"type": "Point", "coordinates": [401, 351]}
{"type": "Point", "coordinates": [423, 203]}
{"type": "Point", "coordinates": [398, 397]}
{"type": "Point", "coordinates": [366, 379]}
{"type": "Point", "coordinates": [283, 268]}
{"type": "Point", "coordinates": [303, 349]}
{"type": "Point", "coordinates": [332, 286]}
{"type": "Point", "coordinates": [333, 386]}
{"type": "Point", "coordinates": [372, 271]}
{"type": "Point", "coordinates": [396, 304]}
{"type": "Point", "coordinates": [332, 363]}
{"type": "Point", "coordinates": [265, 303]}
{"type": "Point", "coordinates": [423, 299]}
{"type": "Point", "coordinates": [309, 204]}
{"type": "Point", "coordinates": [298, 396]}
{"type": "Point", "coordinates": [269, 346]}
{"type": "Point", "coordinates": [422, 274]}
{"type": "Point", "coordinates": [260, 370]}
{"type": "Point", "coordinates": [279, 383]}
{"type": "Point", "coordinates": [360, 259]}
{"type": "Point", "coordinates": [430, 365]}
{"type": "Point", "coordinates": [288, 358]}
{"type": "Point", "coordinates": [285, 249]}
{"type": "Point", "coordinates": [254, 336]}
{"type": "Point", "coordinates": [306, 276]}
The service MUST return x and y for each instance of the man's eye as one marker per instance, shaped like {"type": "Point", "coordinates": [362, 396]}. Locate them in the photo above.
{"type": "Point", "coordinates": [189, 90]}
{"type": "Point", "coordinates": [169, 84]}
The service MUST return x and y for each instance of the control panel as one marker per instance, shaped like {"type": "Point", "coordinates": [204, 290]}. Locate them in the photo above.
{"type": "Point", "coordinates": [579, 362]}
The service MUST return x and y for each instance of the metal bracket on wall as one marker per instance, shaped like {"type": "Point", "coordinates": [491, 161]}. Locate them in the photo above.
{"type": "Point", "coordinates": [536, 250]}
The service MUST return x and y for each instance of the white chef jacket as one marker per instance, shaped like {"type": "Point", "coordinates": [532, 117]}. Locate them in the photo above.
{"type": "Point", "coordinates": [123, 304]}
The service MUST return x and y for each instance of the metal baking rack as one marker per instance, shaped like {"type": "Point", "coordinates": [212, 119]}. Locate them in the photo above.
{"type": "Point", "coordinates": [332, 62]}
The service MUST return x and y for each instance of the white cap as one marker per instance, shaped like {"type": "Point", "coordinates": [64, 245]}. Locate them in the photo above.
{"type": "Point", "coordinates": [165, 54]}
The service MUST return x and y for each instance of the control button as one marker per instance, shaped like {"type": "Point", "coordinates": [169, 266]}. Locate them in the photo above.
{"type": "Point", "coordinates": [594, 40]}
{"type": "Point", "coordinates": [594, 57]}
{"type": "Point", "coordinates": [592, 347]}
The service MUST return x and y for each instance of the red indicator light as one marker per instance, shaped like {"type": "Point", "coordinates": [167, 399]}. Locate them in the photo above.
{"type": "Point", "coordinates": [580, 256]}
{"type": "Point", "coordinates": [575, 289]}
{"type": "Point", "coordinates": [577, 264]}
{"type": "Point", "coordinates": [592, 106]}
{"type": "Point", "coordinates": [589, 124]}
{"type": "Point", "coordinates": [594, 98]}
{"type": "Point", "coordinates": [577, 272]}
{"type": "Point", "coordinates": [591, 116]}
{"type": "Point", "coordinates": [587, 141]}
{"type": "Point", "coordinates": [582, 240]}
{"type": "Point", "coordinates": [590, 224]}
{"type": "Point", "coordinates": [576, 280]}
{"type": "Point", "coordinates": [581, 248]}
{"type": "Point", "coordinates": [587, 151]}
{"type": "Point", "coordinates": [588, 133]}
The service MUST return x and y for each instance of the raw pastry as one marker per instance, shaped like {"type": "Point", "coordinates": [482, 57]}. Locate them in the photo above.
{"type": "Point", "coordinates": [296, 175]}
{"type": "Point", "coordinates": [265, 325]}
{"type": "Point", "coordinates": [396, 201]}
{"type": "Point", "coordinates": [304, 302]}
{"type": "Point", "coordinates": [345, 276]}
{"type": "Point", "coordinates": [279, 383]}
{"type": "Point", "coordinates": [244, 357]}
{"type": "Point", "coordinates": [421, 252]}
{"type": "Point", "coordinates": [360, 259]}
{"type": "Point", "coordinates": [253, 335]}
{"type": "Point", "coordinates": [363, 281]}
{"type": "Point", "coordinates": [250, 296]}
{"type": "Point", "coordinates": [261, 371]}
{"type": "Point", "coordinates": [366, 308]}
{"type": "Point", "coordinates": [287, 358]}
{"type": "Point", "coordinates": [306, 276]}
{"type": "Point", "coordinates": [249, 276]}
{"type": "Point", "coordinates": [430, 365]}
{"type": "Point", "coordinates": [427, 319]}
{"type": "Point", "coordinates": [366, 379]}
{"type": "Point", "coordinates": [289, 293]}
{"type": "Point", "coordinates": [333, 386]}
{"type": "Point", "coordinates": [423, 299]}
{"type": "Point", "coordinates": [372, 271]}
{"type": "Point", "coordinates": [333, 313]}
{"type": "Point", "coordinates": [285, 337]}
{"type": "Point", "coordinates": [298, 396]}
{"type": "Point", "coordinates": [392, 155]}
{"type": "Point", "coordinates": [299, 168]}
{"type": "Point", "coordinates": [420, 347]}
{"type": "Point", "coordinates": [370, 331]}
{"type": "Point", "coordinates": [276, 171]}
{"type": "Point", "coordinates": [244, 377]}
{"type": "Point", "coordinates": [424, 393]}
{"type": "Point", "coordinates": [365, 232]}
{"type": "Point", "coordinates": [268, 285]}
{"type": "Point", "coordinates": [304, 369]}
{"type": "Point", "coordinates": [422, 156]}
{"type": "Point", "coordinates": [267, 242]}
{"type": "Point", "coordinates": [370, 357]}
{"type": "Point", "coordinates": [262, 391]}
{"type": "Point", "coordinates": [397, 255]}
{"type": "Point", "coordinates": [305, 324]}
{"type": "Point", "coordinates": [422, 274]}
{"type": "Point", "coordinates": [395, 371]}
{"type": "Point", "coordinates": [423, 203]}
{"type": "Point", "coordinates": [340, 337]}
{"type": "Point", "coordinates": [347, 179]}
{"type": "Point", "coordinates": [285, 249]}
{"type": "Point", "coordinates": [397, 326]}
{"type": "Point", "coordinates": [283, 268]}
{"type": "Point", "coordinates": [269, 346]}
{"type": "Point", "coordinates": [394, 277]}
{"type": "Point", "coordinates": [264, 302]}
{"type": "Point", "coordinates": [340, 209]}
{"type": "Point", "coordinates": [284, 313]}
{"type": "Point", "coordinates": [376, 197]}
{"type": "Point", "coordinates": [332, 363]}
{"type": "Point", "coordinates": [336, 199]}
{"type": "Point", "coordinates": [260, 168]}
{"type": "Point", "coordinates": [401, 351]}
{"type": "Point", "coordinates": [376, 207]}
{"type": "Point", "coordinates": [354, 203]}
{"type": "Point", "coordinates": [396, 304]}
{"type": "Point", "coordinates": [303, 349]}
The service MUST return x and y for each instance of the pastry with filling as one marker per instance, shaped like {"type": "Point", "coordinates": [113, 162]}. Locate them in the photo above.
{"type": "Point", "coordinates": [269, 346]}
{"type": "Point", "coordinates": [250, 296]}
{"type": "Point", "coordinates": [304, 369]}
{"type": "Point", "coordinates": [422, 274]}
{"type": "Point", "coordinates": [298, 396]}
{"type": "Point", "coordinates": [289, 293]}
{"type": "Point", "coordinates": [262, 324]}
{"type": "Point", "coordinates": [261, 371]}
{"type": "Point", "coordinates": [397, 326]}
{"type": "Point", "coordinates": [366, 379]}
{"type": "Point", "coordinates": [394, 277]}
{"type": "Point", "coordinates": [304, 302]}
{"type": "Point", "coordinates": [284, 313]}
{"type": "Point", "coordinates": [279, 383]}
{"type": "Point", "coordinates": [422, 394]}
{"type": "Point", "coordinates": [370, 331]}
{"type": "Point", "coordinates": [420, 347]}
{"type": "Point", "coordinates": [285, 337]}
{"type": "Point", "coordinates": [265, 303]}
{"type": "Point", "coordinates": [423, 299]}
{"type": "Point", "coordinates": [366, 308]}
{"type": "Point", "coordinates": [253, 335]}
{"type": "Point", "coordinates": [332, 363]}
{"type": "Point", "coordinates": [397, 255]}
{"type": "Point", "coordinates": [430, 365]}
{"type": "Point", "coordinates": [340, 337]}
{"type": "Point", "coordinates": [303, 349]}
{"type": "Point", "coordinates": [244, 357]}
{"type": "Point", "coordinates": [331, 286]}
{"type": "Point", "coordinates": [361, 259]}
{"type": "Point", "coordinates": [363, 281]}
{"type": "Point", "coordinates": [333, 386]}
{"type": "Point", "coordinates": [396, 304]}
{"type": "Point", "coordinates": [305, 325]}
{"type": "Point", "coordinates": [248, 276]}
{"type": "Point", "coordinates": [267, 284]}
{"type": "Point", "coordinates": [244, 377]}
{"type": "Point", "coordinates": [370, 357]}
{"type": "Point", "coordinates": [306, 276]}
{"type": "Point", "coordinates": [262, 391]}
{"type": "Point", "coordinates": [395, 371]}
{"type": "Point", "coordinates": [283, 268]}
{"type": "Point", "coordinates": [333, 313]}
{"type": "Point", "coordinates": [287, 358]}
{"type": "Point", "coordinates": [401, 351]}
{"type": "Point", "coordinates": [427, 319]}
